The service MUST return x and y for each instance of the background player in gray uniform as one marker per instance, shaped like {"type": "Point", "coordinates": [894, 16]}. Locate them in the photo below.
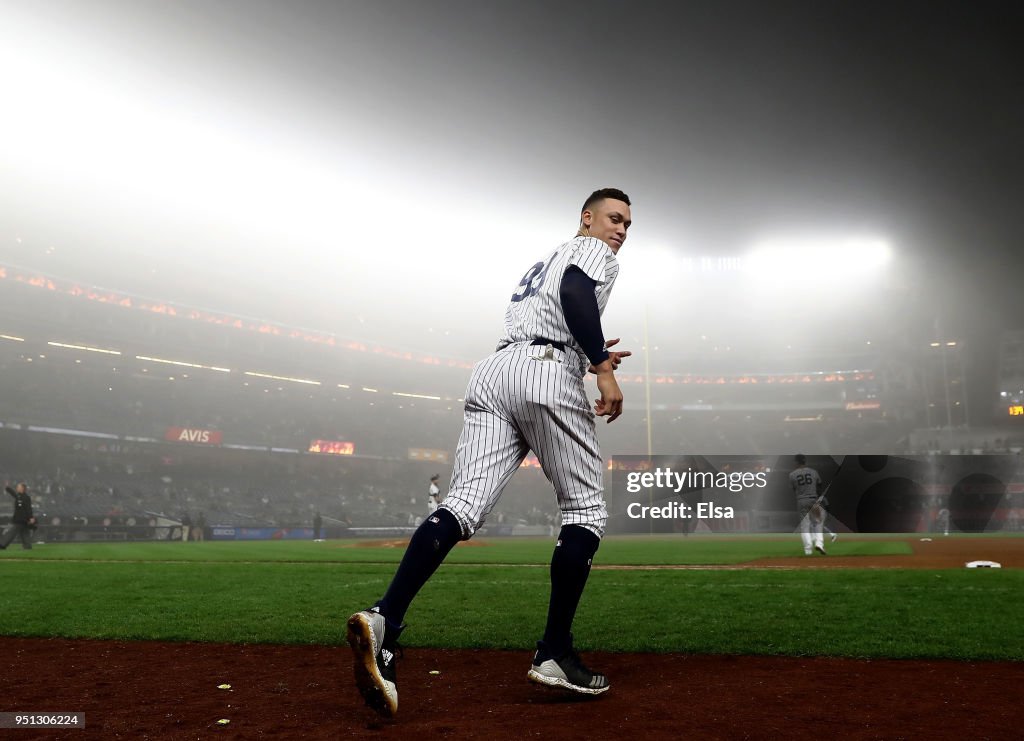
{"type": "Point", "coordinates": [527, 395]}
{"type": "Point", "coordinates": [806, 484]}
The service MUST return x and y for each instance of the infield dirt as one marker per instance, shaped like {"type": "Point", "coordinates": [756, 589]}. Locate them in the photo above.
{"type": "Point", "coordinates": [159, 690]}
{"type": "Point", "coordinates": [169, 690]}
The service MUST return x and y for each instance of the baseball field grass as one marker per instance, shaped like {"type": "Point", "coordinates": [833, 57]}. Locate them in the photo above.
{"type": "Point", "coordinates": [619, 550]}
{"type": "Point", "coordinates": [495, 597]}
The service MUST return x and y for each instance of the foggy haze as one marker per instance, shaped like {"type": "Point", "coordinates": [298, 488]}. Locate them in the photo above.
{"type": "Point", "coordinates": [387, 171]}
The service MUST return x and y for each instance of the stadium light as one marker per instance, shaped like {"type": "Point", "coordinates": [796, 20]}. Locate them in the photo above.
{"type": "Point", "coordinates": [654, 270]}
{"type": "Point", "coordinates": [84, 347]}
{"type": "Point", "coordinates": [182, 363]}
{"type": "Point", "coordinates": [415, 396]}
{"type": "Point", "coordinates": [282, 378]}
{"type": "Point", "coordinates": [817, 256]}
{"type": "Point", "coordinates": [144, 121]}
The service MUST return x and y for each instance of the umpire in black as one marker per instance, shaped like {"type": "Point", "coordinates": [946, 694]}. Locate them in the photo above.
{"type": "Point", "coordinates": [22, 521]}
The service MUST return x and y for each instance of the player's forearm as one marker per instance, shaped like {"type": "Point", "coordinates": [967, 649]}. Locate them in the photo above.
{"type": "Point", "coordinates": [582, 315]}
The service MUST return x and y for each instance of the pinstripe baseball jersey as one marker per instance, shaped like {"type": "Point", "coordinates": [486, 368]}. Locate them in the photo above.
{"type": "Point", "coordinates": [527, 397]}
{"type": "Point", "coordinates": [535, 309]}
{"type": "Point", "coordinates": [804, 481]}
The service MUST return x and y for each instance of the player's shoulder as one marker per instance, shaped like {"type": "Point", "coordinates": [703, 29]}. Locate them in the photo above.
{"type": "Point", "coordinates": [595, 257]}
{"type": "Point", "coordinates": [589, 244]}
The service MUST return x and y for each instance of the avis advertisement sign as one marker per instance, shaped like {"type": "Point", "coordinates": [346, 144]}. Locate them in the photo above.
{"type": "Point", "coordinates": [193, 435]}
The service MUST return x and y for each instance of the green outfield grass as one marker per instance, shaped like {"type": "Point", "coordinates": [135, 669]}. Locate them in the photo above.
{"type": "Point", "coordinates": [636, 550]}
{"type": "Point", "coordinates": [296, 592]}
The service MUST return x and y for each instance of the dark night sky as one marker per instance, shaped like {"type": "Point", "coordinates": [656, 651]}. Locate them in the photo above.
{"type": "Point", "coordinates": [340, 160]}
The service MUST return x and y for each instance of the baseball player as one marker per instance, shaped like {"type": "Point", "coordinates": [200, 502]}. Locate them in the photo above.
{"type": "Point", "coordinates": [806, 484]}
{"type": "Point", "coordinates": [434, 496]}
{"type": "Point", "coordinates": [527, 395]}
{"type": "Point", "coordinates": [23, 522]}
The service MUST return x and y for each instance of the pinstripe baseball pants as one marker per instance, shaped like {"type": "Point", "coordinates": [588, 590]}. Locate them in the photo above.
{"type": "Point", "coordinates": [519, 400]}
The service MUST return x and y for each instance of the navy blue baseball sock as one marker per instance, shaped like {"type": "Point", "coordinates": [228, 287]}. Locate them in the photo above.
{"type": "Point", "coordinates": [570, 567]}
{"type": "Point", "coordinates": [431, 542]}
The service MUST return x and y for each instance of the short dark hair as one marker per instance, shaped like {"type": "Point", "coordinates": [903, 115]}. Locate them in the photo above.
{"type": "Point", "coordinates": [600, 195]}
{"type": "Point", "coordinates": [800, 458]}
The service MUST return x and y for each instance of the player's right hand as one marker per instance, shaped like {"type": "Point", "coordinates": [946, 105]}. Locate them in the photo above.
{"type": "Point", "coordinates": [610, 403]}
{"type": "Point", "coordinates": [615, 356]}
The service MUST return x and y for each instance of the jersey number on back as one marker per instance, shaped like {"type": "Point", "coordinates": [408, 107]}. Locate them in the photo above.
{"type": "Point", "coordinates": [804, 479]}
{"type": "Point", "coordinates": [533, 280]}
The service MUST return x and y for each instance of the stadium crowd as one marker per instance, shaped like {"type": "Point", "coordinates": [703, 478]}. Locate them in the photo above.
{"type": "Point", "coordinates": [88, 424]}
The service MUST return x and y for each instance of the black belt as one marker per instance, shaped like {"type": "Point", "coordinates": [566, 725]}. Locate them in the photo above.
{"type": "Point", "coordinates": [553, 343]}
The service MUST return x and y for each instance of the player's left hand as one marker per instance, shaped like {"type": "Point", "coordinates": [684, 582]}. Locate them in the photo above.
{"type": "Point", "coordinates": [615, 356]}
{"type": "Point", "coordinates": [610, 403]}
